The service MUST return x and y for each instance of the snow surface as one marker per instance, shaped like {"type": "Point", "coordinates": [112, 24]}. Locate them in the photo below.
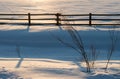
{"type": "Point", "coordinates": [50, 6]}
{"type": "Point", "coordinates": [35, 53]}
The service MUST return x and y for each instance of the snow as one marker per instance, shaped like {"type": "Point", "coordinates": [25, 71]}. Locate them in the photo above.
{"type": "Point", "coordinates": [50, 6]}
{"type": "Point", "coordinates": [34, 52]}
{"type": "Point", "coordinates": [52, 69]}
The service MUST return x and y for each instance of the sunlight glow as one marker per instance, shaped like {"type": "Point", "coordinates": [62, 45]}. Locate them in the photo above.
{"type": "Point", "coordinates": [41, 0]}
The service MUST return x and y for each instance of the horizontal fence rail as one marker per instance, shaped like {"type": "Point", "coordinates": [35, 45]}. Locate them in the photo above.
{"type": "Point", "coordinates": [60, 19]}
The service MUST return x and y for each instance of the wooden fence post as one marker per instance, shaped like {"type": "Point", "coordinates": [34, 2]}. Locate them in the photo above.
{"type": "Point", "coordinates": [29, 19]}
{"type": "Point", "coordinates": [58, 19]}
{"type": "Point", "coordinates": [90, 19]}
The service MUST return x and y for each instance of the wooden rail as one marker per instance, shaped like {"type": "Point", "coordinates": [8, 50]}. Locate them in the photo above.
{"type": "Point", "coordinates": [60, 19]}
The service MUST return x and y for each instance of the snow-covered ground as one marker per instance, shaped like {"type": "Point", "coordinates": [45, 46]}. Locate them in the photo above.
{"type": "Point", "coordinates": [50, 6]}
{"type": "Point", "coordinates": [54, 69]}
{"type": "Point", "coordinates": [35, 53]}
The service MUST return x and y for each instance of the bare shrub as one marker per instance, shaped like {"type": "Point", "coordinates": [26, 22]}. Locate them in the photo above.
{"type": "Point", "coordinates": [113, 35]}
{"type": "Point", "coordinates": [18, 51]}
{"type": "Point", "coordinates": [78, 45]}
{"type": "Point", "coordinates": [93, 57]}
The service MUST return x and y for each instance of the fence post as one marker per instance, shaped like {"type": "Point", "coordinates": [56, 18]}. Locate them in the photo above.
{"type": "Point", "coordinates": [29, 19]}
{"type": "Point", "coordinates": [58, 19]}
{"type": "Point", "coordinates": [90, 19]}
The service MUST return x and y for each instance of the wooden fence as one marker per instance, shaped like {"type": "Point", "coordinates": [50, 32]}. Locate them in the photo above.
{"type": "Point", "coordinates": [60, 19]}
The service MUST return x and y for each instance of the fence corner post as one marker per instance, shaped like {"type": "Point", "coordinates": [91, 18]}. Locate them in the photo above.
{"type": "Point", "coordinates": [90, 19]}
{"type": "Point", "coordinates": [29, 19]}
{"type": "Point", "coordinates": [58, 19]}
